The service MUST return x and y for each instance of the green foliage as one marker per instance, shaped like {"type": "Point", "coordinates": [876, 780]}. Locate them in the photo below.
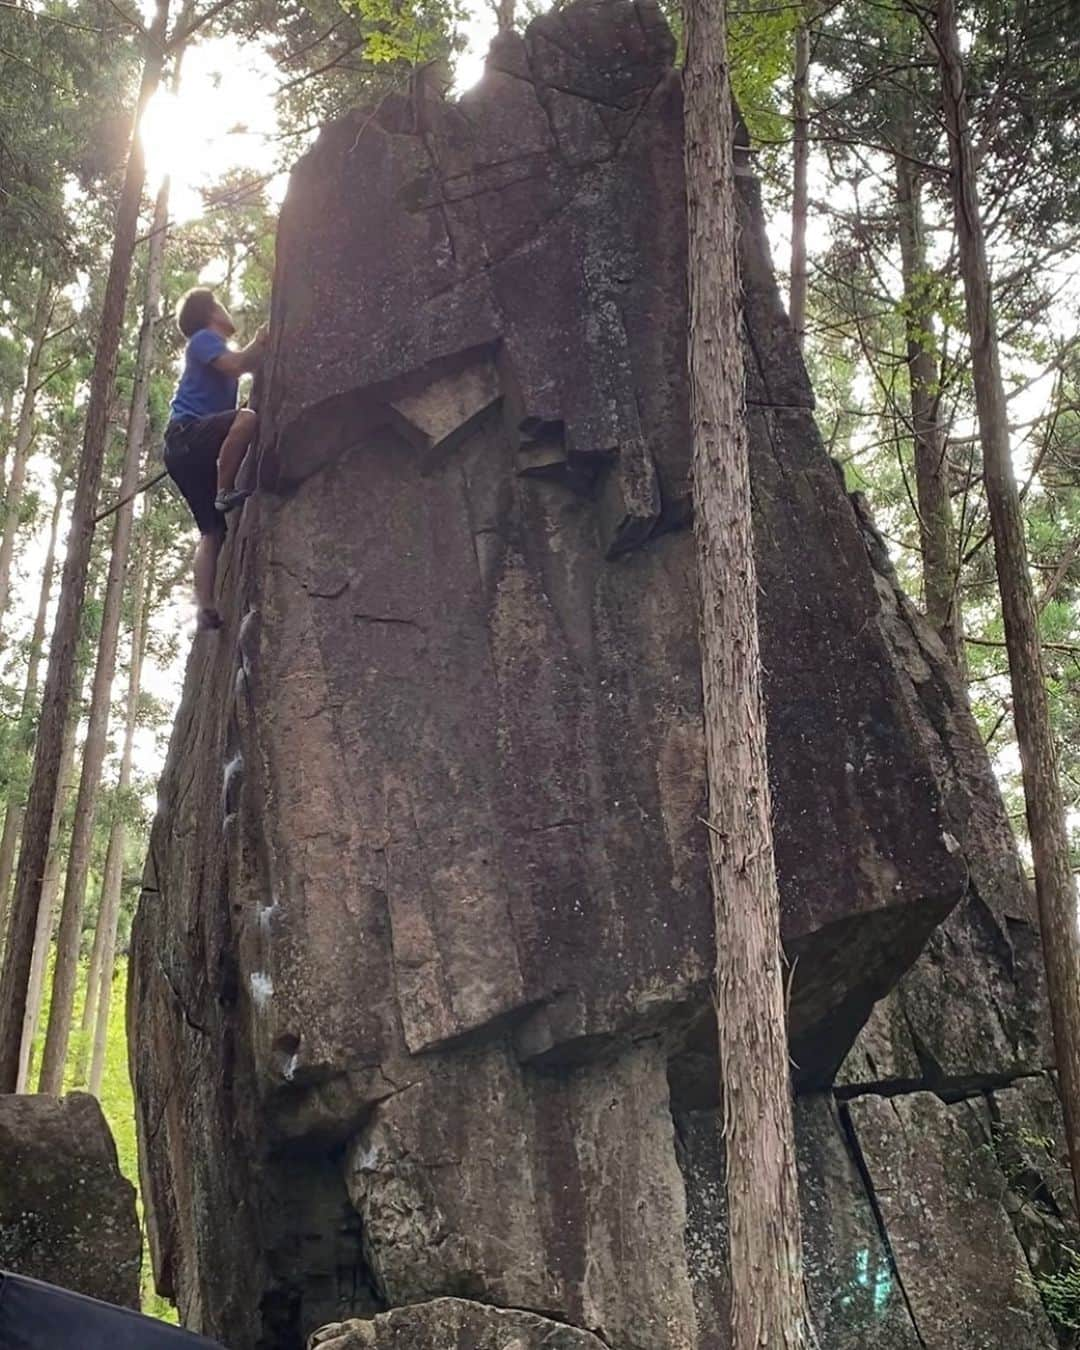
{"type": "Point", "coordinates": [761, 48]}
{"type": "Point", "coordinates": [1060, 1293]}
{"type": "Point", "coordinates": [409, 32]}
{"type": "Point", "coordinates": [65, 85]}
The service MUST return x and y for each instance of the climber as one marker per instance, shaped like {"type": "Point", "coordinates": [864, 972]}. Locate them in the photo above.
{"type": "Point", "coordinates": [208, 436]}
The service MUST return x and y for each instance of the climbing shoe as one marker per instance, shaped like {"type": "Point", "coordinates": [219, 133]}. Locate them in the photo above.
{"type": "Point", "coordinates": [229, 499]}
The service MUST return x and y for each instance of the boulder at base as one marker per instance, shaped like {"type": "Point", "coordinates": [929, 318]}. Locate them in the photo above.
{"type": "Point", "coordinates": [67, 1215]}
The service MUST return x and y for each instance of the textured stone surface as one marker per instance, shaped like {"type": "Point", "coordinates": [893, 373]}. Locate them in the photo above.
{"type": "Point", "coordinates": [939, 1188]}
{"type": "Point", "coordinates": [67, 1216]}
{"type": "Point", "coordinates": [855, 1297]}
{"type": "Point", "coordinates": [500, 1184]}
{"type": "Point", "coordinates": [972, 1010]}
{"type": "Point", "coordinates": [453, 1324]}
{"type": "Point", "coordinates": [420, 973]}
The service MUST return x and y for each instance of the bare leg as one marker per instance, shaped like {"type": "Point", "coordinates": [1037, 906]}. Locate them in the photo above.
{"type": "Point", "coordinates": [234, 447]}
{"type": "Point", "coordinates": [206, 556]}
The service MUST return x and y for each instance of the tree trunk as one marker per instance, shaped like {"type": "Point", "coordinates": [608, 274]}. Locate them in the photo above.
{"type": "Point", "coordinates": [69, 934]}
{"type": "Point", "coordinates": [800, 199]}
{"type": "Point", "coordinates": [940, 565]}
{"type": "Point", "coordinates": [767, 1299]}
{"type": "Point", "coordinates": [14, 814]}
{"type": "Point", "coordinates": [1054, 887]}
{"type": "Point", "coordinates": [60, 678]}
{"type": "Point", "coordinates": [82, 835]}
{"type": "Point", "coordinates": [112, 886]}
{"type": "Point", "coordinates": [24, 435]}
{"type": "Point", "coordinates": [50, 889]}
{"type": "Point", "coordinates": [7, 403]}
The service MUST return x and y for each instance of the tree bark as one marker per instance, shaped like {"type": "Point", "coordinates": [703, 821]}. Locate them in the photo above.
{"type": "Point", "coordinates": [50, 889]}
{"type": "Point", "coordinates": [14, 814]}
{"type": "Point", "coordinates": [7, 403]}
{"type": "Point", "coordinates": [1045, 809]}
{"type": "Point", "coordinates": [69, 933]}
{"type": "Point", "coordinates": [85, 809]}
{"type": "Point", "coordinates": [112, 886]}
{"type": "Point", "coordinates": [765, 1249]}
{"type": "Point", "coordinates": [800, 199]}
{"type": "Point", "coordinates": [60, 677]}
{"type": "Point", "coordinates": [24, 435]}
{"type": "Point", "coordinates": [940, 565]}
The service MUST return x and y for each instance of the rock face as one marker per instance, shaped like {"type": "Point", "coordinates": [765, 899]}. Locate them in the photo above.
{"type": "Point", "coordinates": [420, 974]}
{"type": "Point", "coordinates": [67, 1216]}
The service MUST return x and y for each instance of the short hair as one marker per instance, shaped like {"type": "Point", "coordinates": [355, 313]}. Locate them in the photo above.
{"type": "Point", "coordinates": [196, 310]}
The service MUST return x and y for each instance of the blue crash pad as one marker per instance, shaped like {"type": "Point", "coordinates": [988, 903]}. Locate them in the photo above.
{"type": "Point", "coordinates": [37, 1316]}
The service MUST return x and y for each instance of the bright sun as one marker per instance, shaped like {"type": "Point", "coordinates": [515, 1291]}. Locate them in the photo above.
{"type": "Point", "coordinates": [222, 118]}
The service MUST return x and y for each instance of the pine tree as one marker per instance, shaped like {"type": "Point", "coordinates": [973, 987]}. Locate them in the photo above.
{"type": "Point", "coordinates": [765, 1250]}
{"type": "Point", "coordinates": [112, 884]}
{"type": "Point", "coordinates": [69, 934]}
{"type": "Point", "coordinates": [59, 680]}
{"type": "Point", "coordinates": [1054, 887]}
{"type": "Point", "coordinates": [13, 815]}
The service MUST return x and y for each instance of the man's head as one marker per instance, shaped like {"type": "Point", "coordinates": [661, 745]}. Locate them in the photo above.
{"type": "Point", "coordinates": [199, 310]}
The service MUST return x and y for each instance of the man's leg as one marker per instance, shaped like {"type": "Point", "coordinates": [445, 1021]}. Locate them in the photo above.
{"type": "Point", "coordinates": [234, 447]}
{"type": "Point", "coordinates": [206, 559]}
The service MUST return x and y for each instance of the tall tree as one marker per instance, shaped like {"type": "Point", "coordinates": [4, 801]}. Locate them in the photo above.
{"type": "Point", "coordinates": [60, 677]}
{"type": "Point", "coordinates": [940, 565]}
{"type": "Point", "coordinates": [14, 814]}
{"type": "Point", "coordinates": [50, 891]}
{"type": "Point", "coordinates": [800, 195]}
{"type": "Point", "coordinates": [69, 934]}
{"type": "Point", "coordinates": [1045, 811]}
{"type": "Point", "coordinates": [24, 431]}
{"type": "Point", "coordinates": [113, 881]}
{"type": "Point", "coordinates": [134, 455]}
{"type": "Point", "coordinates": [765, 1248]}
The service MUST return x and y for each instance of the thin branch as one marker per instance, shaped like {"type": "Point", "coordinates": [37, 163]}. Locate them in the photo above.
{"type": "Point", "coordinates": [56, 370]}
{"type": "Point", "coordinates": [321, 70]}
{"type": "Point", "coordinates": [129, 19]}
{"type": "Point", "coordinates": [1069, 648]}
{"type": "Point", "coordinates": [143, 487]}
{"type": "Point", "coordinates": [59, 332]}
{"type": "Point", "coordinates": [189, 30]}
{"type": "Point", "coordinates": [42, 17]}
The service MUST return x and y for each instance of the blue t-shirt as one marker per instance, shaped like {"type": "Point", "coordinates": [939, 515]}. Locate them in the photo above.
{"type": "Point", "coordinates": [203, 390]}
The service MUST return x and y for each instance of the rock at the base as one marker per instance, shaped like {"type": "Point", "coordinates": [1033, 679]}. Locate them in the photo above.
{"type": "Point", "coordinates": [454, 1324]}
{"type": "Point", "coordinates": [67, 1216]}
{"type": "Point", "coordinates": [939, 1189]}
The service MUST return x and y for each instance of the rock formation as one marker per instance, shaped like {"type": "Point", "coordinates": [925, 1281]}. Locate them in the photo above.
{"type": "Point", "coordinates": [67, 1216]}
{"type": "Point", "coordinates": [422, 1038]}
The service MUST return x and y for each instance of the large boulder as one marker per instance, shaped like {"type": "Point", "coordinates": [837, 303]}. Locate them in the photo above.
{"type": "Point", "coordinates": [453, 1324]}
{"type": "Point", "coordinates": [419, 988]}
{"type": "Point", "coordinates": [67, 1216]}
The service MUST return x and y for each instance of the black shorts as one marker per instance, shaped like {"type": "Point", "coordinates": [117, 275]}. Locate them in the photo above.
{"type": "Point", "coordinates": [192, 446]}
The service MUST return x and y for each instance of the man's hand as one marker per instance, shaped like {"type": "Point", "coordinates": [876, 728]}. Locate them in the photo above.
{"type": "Point", "coordinates": [247, 359]}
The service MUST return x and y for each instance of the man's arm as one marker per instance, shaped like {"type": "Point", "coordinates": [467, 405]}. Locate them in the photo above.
{"type": "Point", "coordinates": [235, 364]}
